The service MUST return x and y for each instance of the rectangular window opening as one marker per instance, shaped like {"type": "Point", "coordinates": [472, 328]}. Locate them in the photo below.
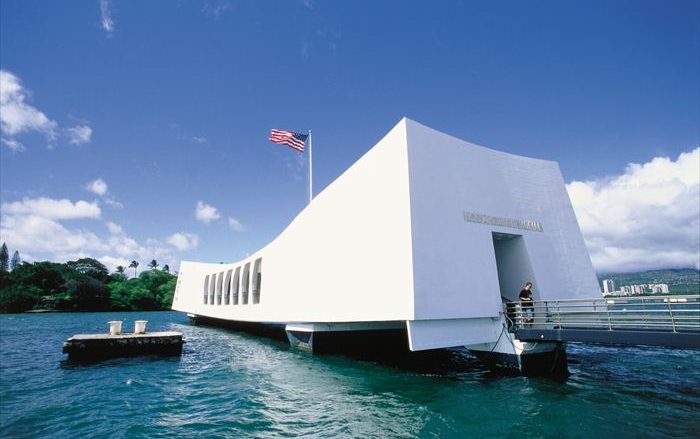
{"type": "Point", "coordinates": [206, 289]}
{"type": "Point", "coordinates": [257, 278]}
{"type": "Point", "coordinates": [236, 285]}
{"type": "Point", "coordinates": [219, 287]}
{"type": "Point", "coordinates": [212, 289]}
{"type": "Point", "coordinates": [246, 283]}
{"type": "Point", "coordinates": [227, 288]}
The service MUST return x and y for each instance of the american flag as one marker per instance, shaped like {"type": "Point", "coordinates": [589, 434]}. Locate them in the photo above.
{"type": "Point", "coordinates": [289, 138]}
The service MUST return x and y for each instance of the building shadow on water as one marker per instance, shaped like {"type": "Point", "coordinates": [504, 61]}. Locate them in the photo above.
{"type": "Point", "coordinates": [385, 348]}
{"type": "Point", "coordinates": [74, 364]}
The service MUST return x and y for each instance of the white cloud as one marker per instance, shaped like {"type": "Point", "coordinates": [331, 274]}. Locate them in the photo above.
{"type": "Point", "coordinates": [98, 186]}
{"type": "Point", "coordinates": [112, 263]}
{"type": "Point", "coordinates": [111, 202]}
{"type": "Point", "coordinates": [52, 209]}
{"type": "Point", "coordinates": [34, 228]}
{"type": "Point", "coordinates": [216, 8]}
{"type": "Point", "coordinates": [114, 229]}
{"type": "Point", "coordinates": [646, 218]}
{"type": "Point", "coordinates": [34, 233]}
{"type": "Point", "coordinates": [199, 139]}
{"type": "Point", "coordinates": [17, 116]}
{"type": "Point", "coordinates": [79, 134]}
{"type": "Point", "coordinates": [235, 224]}
{"type": "Point", "coordinates": [13, 144]}
{"type": "Point", "coordinates": [206, 213]}
{"type": "Point", "coordinates": [106, 16]}
{"type": "Point", "coordinates": [183, 241]}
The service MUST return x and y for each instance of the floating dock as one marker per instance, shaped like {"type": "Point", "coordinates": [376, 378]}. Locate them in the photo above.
{"type": "Point", "coordinates": [101, 346]}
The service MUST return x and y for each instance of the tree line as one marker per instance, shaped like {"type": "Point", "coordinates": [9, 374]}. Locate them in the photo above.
{"type": "Point", "coordinates": [82, 285]}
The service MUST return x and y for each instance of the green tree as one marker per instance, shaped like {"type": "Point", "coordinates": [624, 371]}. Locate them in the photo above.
{"type": "Point", "coordinates": [5, 280]}
{"type": "Point", "coordinates": [153, 264]}
{"type": "Point", "coordinates": [83, 285]}
{"type": "Point", "coordinates": [18, 298]}
{"type": "Point", "coordinates": [134, 265]}
{"type": "Point", "coordinates": [141, 298]}
{"type": "Point", "coordinates": [120, 295]}
{"type": "Point", "coordinates": [88, 294]}
{"type": "Point", "coordinates": [154, 278]}
{"type": "Point", "coordinates": [48, 277]}
{"type": "Point", "coordinates": [166, 268]}
{"type": "Point", "coordinates": [121, 269]}
{"type": "Point", "coordinates": [4, 257]}
{"type": "Point", "coordinates": [14, 263]}
{"type": "Point", "coordinates": [166, 292]}
{"type": "Point", "coordinates": [89, 267]}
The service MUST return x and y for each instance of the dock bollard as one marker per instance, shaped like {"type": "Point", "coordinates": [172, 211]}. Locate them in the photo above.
{"type": "Point", "coordinates": [140, 326]}
{"type": "Point", "coordinates": [115, 327]}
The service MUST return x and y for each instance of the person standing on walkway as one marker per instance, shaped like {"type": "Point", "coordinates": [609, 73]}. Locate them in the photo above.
{"type": "Point", "coordinates": [526, 303]}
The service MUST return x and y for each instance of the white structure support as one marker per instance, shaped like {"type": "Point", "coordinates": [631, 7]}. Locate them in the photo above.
{"type": "Point", "coordinates": [424, 229]}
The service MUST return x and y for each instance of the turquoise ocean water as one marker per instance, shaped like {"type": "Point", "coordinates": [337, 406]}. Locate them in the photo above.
{"type": "Point", "coordinates": [231, 384]}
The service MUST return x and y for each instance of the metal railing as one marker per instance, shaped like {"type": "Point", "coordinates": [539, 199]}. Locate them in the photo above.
{"type": "Point", "coordinates": [658, 313]}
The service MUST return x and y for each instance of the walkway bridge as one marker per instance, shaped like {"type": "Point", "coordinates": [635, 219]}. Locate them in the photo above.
{"type": "Point", "coordinates": [670, 321]}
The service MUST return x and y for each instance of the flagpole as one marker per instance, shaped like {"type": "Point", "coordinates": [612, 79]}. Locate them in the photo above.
{"type": "Point", "coordinates": [311, 167]}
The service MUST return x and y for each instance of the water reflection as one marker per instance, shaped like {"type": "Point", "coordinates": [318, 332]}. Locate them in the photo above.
{"type": "Point", "coordinates": [230, 384]}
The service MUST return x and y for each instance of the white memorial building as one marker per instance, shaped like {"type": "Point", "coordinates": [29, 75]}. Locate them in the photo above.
{"type": "Point", "coordinates": [417, 244]}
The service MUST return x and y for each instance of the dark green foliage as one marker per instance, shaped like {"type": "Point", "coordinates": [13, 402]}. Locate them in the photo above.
{"type": "Point", "coordinates": [83, 285]}
{"type": "Point", "coordinates": [90, 267]}
{"type": "Point", "coordinates": [18, 299]}
{"type": "Point", "coordinates": [117, 276]}
{"type": "Point", "coordinates": [166, 292]}
{"type": "Point", "coordinates": [87, 294]}
{"type": "Point", "coordinates": [4, 257]}
{"type": "Point", "coordinates": [49, 277]}
{"type": "Point", "coordinates": [5, 280]}
{"type": "Point", "coordinates": [131, 295]}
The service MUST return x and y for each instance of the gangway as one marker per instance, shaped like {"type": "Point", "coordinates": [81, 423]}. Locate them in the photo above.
{"type": "Point", "coordinates": [670, 320]}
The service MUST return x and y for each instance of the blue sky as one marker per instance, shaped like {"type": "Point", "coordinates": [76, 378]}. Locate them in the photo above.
{"type": "Point", "coordinates": [169, 104]}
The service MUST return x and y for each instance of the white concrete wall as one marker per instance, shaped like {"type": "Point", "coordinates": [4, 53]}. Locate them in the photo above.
{"type": "Point", "coordinates": [514, 267]}
{"type": "Point", "coordinates": [455, 273]}
{"type": "Point", "coordinates": [387, 241]}
{"type": "Point", "coordinates": [346, 257]}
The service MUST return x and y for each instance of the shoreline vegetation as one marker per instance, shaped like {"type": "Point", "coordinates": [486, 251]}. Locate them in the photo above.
{"type": "Point", "coordinates": [87, 285]}
{"type": "Point", "coordinates": [84, 285]}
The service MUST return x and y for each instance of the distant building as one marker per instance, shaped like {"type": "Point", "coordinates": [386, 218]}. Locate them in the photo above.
{"type": "Point", "coordinates": [639, 289]}
{"type": "Point", "coordinates": [659, 288]}
{"type": "Point", "coordinates": [608, 285]}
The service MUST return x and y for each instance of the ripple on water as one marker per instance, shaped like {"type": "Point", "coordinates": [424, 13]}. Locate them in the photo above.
{"type": "Point", "coordinates": [229, 384]}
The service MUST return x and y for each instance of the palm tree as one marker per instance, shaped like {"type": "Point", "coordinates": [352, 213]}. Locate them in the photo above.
{"type": "Point", "coordinates": [134, 265]}
{"type": "Point", "coordinates": [121, 269]}
{"type": "Point", "coordinates": [166, 268]}
{"type": "Point", "coordinates": [153, 264]}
